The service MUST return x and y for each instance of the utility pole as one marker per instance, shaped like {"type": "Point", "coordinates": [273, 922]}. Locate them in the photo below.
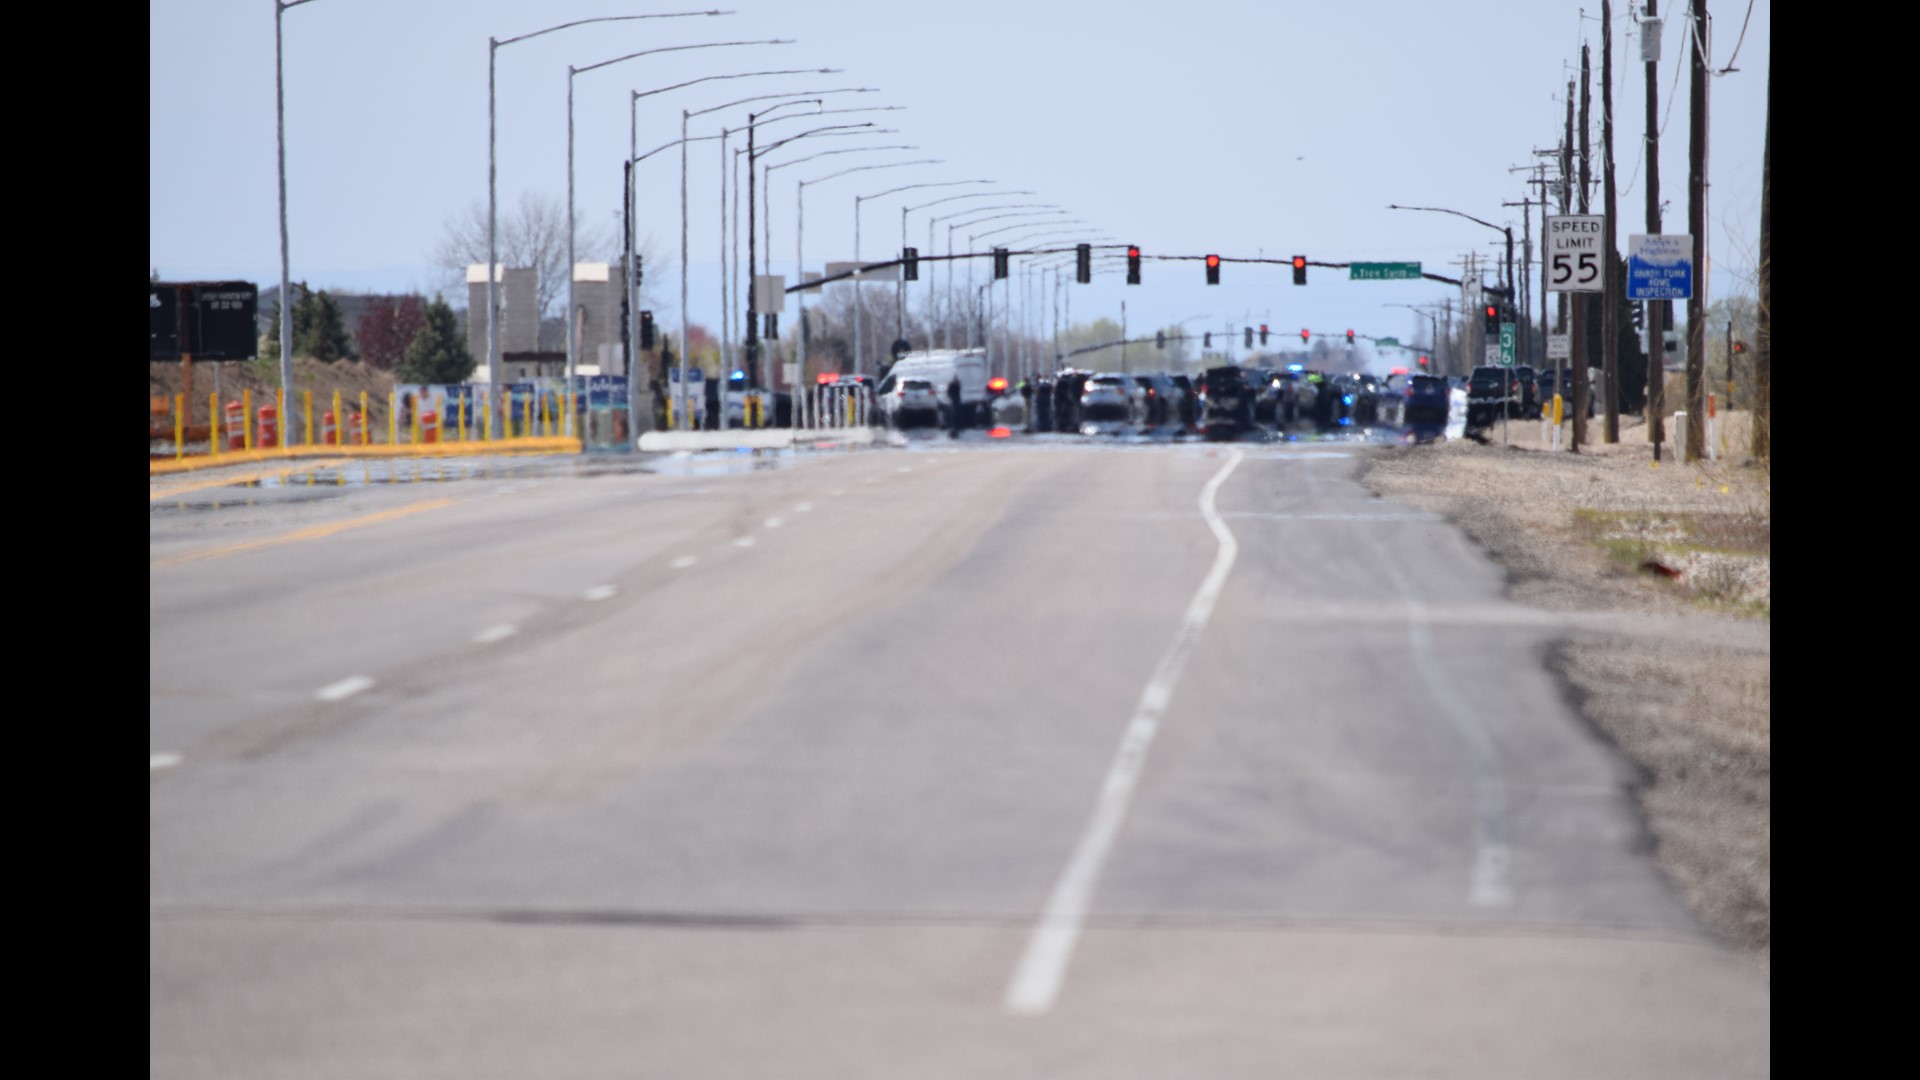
{"type": "Point", "coordinates": [1697, 225]}
{"type": "Point", "coordinates": [1582, 306]}
{"type": "Point", "coordinates": [1658, 311]}
{"type": "Point", "coordinates": [1610, 262]}
{"type": "Point", "coordinates": [1763, 371]}
{"type": "Point", "coordinates": [1522, 290]}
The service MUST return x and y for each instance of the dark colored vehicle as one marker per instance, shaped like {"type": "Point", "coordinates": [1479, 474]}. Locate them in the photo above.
{"type": "Point", "coordinates": [1545, 382]}
{"type": "Point", "coordinates": [1491, 393]}
{"type": "Point", "coordinates": [1067, 387]}
{"type": "Point", "coordinates": [1187, 410]}
{"type": "Point", "coordinates": [1427, 402]}
{"type": "Point", "coordinates": [1267, 385]}
{"type": "Point", "coordinates": [1229, 398]}
{"type": "Point", "coordinates": [1527, 394]}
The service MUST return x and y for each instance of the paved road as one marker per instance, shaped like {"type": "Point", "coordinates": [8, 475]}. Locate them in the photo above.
{"type": "Point", "coordinates": [976, 761]}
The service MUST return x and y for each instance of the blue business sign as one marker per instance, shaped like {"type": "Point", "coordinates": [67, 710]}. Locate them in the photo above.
{"type": "Point", "coordinates": [601, 391]}
{"type": "Point", "coordinates": [1660, 267]}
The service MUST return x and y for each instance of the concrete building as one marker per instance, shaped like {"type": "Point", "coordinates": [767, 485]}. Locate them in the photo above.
{"type": "Point", "coordinates": [596, 289]}
{"type": "Point", "coordinates": [518, 319]}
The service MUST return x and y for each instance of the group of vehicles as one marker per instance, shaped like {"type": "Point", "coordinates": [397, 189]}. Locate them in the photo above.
{"type": "Point", "coordinates": [1496, 393]}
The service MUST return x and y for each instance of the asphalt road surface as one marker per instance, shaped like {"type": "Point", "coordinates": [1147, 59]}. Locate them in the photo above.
{"type": "Point", "coordinates": [946, 761]}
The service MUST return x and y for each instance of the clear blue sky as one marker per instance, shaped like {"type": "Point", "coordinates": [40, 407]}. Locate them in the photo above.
{"type": "Point", "coordinates": [1239, 128]}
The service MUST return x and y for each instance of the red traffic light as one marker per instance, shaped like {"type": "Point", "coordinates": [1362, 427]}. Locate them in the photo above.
{"type": "Point", "coordinates": [1304, 334]}
{"type": "Point", "coordinates": [1299, 262]}
{"type": "Point", "coordinates": [1349, 337]}
{"type": "Point", "coordinates": [1423, 361]}
{"type": "Point", "coordinates": [1493, 312]}
{"type": "Point", "coordinates": [1213, 262]}
{"type": "Point", "coordinates": [1739, 346]}
{"type": "Point", "coordinates": [1132, 252]}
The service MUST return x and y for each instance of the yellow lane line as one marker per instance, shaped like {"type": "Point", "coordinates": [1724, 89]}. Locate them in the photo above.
{"type": "Point", "coordinates": [312, 532]}
{"type": "Point", "coordinates": [242, 478]}
{"type": "Point", "coordinates": [557, 444]}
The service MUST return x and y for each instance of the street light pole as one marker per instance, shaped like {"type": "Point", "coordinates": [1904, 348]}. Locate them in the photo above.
{"type": "Point", "coordinates": [800, 235]}
{"type": "Point", "coordinates": [900, 305]}
{"type": "Point", "coordinates": [280, 136]}
{"type": "Point", "coordinates": [494, 45]}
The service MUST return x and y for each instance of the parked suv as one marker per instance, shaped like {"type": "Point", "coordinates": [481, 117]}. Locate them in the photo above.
{"type": "Point", "coordinates": [1491, 394]}
{"type": "Point", "coordinates": [1229, 411]}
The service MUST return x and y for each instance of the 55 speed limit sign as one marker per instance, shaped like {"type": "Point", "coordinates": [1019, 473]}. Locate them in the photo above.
{"type": "Point", "coordinates": [1575, 253]}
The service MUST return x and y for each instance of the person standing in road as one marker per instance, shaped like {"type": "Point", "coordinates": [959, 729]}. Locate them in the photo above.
{"type": "Point", "coordinates": [1026, 397]}
{"type": "Point", "coordinates": [953, 407]}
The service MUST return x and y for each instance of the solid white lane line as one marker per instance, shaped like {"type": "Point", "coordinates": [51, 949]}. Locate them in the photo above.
{"type": "Point", "coordinates": [683, 562]}
{"type": "Point", "coordinates": [156, 762]}
{"type": "Point", "coordinates": [345, 688]}
{"type": "Point", "coordinates": [1036, 983]}
{"type": "Point", "coordinates": [495, 633]}
{"type": "Point", "coordinates": [601, 592]}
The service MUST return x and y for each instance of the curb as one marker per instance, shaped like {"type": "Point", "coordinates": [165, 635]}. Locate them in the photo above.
{"type": "Point", "coordinates": [549, 445]}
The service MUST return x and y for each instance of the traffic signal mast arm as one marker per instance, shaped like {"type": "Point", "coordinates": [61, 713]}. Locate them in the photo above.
{"type": "Point", "coordinates": [868, 268]}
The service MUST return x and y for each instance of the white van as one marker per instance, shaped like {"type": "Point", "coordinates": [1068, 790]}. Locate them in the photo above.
{"type": "Point", "coordinates": [939, 367]}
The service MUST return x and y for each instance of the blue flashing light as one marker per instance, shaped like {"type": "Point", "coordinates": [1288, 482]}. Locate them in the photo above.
{"type": "Point", "coordinates": [739, 374]}
{"type": "Point", "coordinates": [1347, 399]}
{"type": "Point", "coordinates": [1296, 367]}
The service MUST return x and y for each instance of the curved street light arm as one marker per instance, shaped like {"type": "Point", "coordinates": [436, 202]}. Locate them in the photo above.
{"type": "Point", "coordinates": [576, 22]}
{"type": "Point", "coordinates": [638, 94]}
{"type": "Point", "coordinates": [674, 48]}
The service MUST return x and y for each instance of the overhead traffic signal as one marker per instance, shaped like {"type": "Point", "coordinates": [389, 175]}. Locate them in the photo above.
{"type": "Point", "coordinates": [1739, 346]}
{"type": "Point", "coordinates": [1263, 334]}
{"type": "Point", "coordinates": [1213, 269]}
{"type": "Point", "coordinates": [1083, 264]}
{"type": "Point", "coordinates": [1133, 264]}
{"type": "Point", "coordinates": [1349, 337]}
{"type": "Point", "coordinates": [1493, 319]}
{"type": "Point", "coordinates": [1304, 335]}
{"type": "Point", "coordinates": [773, 326]}
{"type": "Point", "coordinates": [999, 263]}
{"type": "Point", "coordinates": [1249, 337]}
{"type": "Point", "coordinates": [646, 330]}
{"type": "Point", "coordinates": [1206, 340]}
{"type": "Point", "coordinates": [909, 266]}
{"type": "Point", "coordinates": [1299, 269]}
{"type": "Point", "coordinates": [1423, 361]}
{"type": "Point", "coordinates": [1159, 339]}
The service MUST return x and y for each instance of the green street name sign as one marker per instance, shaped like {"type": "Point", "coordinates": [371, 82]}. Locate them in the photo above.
{"type": "Point", "coordinates": [1390, 342]}
{"type": "Point", "coordinates": [1384, 271]}
{"type": "Point", "coordinates": [1506, 344]}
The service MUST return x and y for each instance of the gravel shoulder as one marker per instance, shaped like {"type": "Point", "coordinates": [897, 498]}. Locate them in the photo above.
{"type": "Point", "coordinates": [1607, 530]}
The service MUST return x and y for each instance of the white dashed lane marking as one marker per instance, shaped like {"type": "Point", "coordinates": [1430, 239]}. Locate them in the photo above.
{"type": "Point", "coordinates": [683, 562]}
{"type": "Point", "coordinates": [602, 592]}
{"type": "Point", "coordinates": [744, 541]}
{"type": "Point", "coordinates": [801, 508]}
{"type": "Point", "coordinates": [773, 523]}
{"type": "Point", "coordinates": [345, 688]}
{"type": "Point", "coordinates": [156, 762]}
{"type": "Point", "coordinates": [495, 633]}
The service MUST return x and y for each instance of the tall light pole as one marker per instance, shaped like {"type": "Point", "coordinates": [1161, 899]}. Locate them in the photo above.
{"type": "Point", "coordinates": [800, 234]}
{"type": "Point", "coordinates": [968, 343]}
{"type": "Point", "coordinates": [280, 135]}
{"type": "Point", "coordinates": [1504, 230]}
{"type": "Point", "coordinates": [494, 45]}
{"type": "Point", "coordinates": [900, 304]}
{"type": "Point", "coordinates": [633, 150]}
{"type": "Point", "coordinates": [572, 309]}
{"type": "Point", "coordinates": [859, 311]}
{"type": "Point", "coordinates": [766, 177]}
{"type": "Point", "coordinates": [933, 218]}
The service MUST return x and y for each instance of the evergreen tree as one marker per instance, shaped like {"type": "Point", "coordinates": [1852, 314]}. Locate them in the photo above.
{"type": "Point", "coordinates": [438, 355]}
{"type": "Point", "coordinates": [326, 337]}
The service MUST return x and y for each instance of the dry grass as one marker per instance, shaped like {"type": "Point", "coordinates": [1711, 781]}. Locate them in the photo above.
{"type": "Point", "coordinates": [1576, 532]}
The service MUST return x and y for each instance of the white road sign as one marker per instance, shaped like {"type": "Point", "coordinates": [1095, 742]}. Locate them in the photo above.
{"type": "Point", "coordinates": [1559, 346]}
{"type": "Point", "coordinates": [1575, 257]}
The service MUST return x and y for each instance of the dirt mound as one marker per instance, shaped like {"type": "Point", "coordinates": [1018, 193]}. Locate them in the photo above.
{"type": "Point", "coordinates": [262, 377]}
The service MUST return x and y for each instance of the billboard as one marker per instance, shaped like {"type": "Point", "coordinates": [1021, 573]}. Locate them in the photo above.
{"type": "Point", "coordinates": [208, 320]}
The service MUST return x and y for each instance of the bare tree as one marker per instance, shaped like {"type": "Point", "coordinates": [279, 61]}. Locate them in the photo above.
{"type": "Point", "coordinates": [534, 233]}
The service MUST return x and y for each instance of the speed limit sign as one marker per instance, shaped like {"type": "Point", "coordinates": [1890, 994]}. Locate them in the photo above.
{"type": "Point", "coordinates": [1576, 255]}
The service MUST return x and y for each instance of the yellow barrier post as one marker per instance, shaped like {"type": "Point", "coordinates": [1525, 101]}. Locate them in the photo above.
{"type": "Point", "coordinates": [280, 416]}
{"type": "Point", "coordinates": [366, 421]}
{"type": "Point", "coordinates": [339, 422]}
{"type": "Point", "coordinates": [393, 418]}
{"type": "Point", "coordinates": [306, 398]}
{"type": "Point", "coordinates": [486, 416]}
{"type": "Point", "coordinates": [213, 424]}
{"type": "Point", "coordinates": [526, 419]}
{"type": "Point", "coordinates": [246, 416]}
{"type": "Point", "coordinates": [570, 415]}
{"type": "Point", "coordinates": [179, 426]}
{"type": "Point", "coordinates": [460, 433]}
{"type": "Point", "coordinates": [413, 427]}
